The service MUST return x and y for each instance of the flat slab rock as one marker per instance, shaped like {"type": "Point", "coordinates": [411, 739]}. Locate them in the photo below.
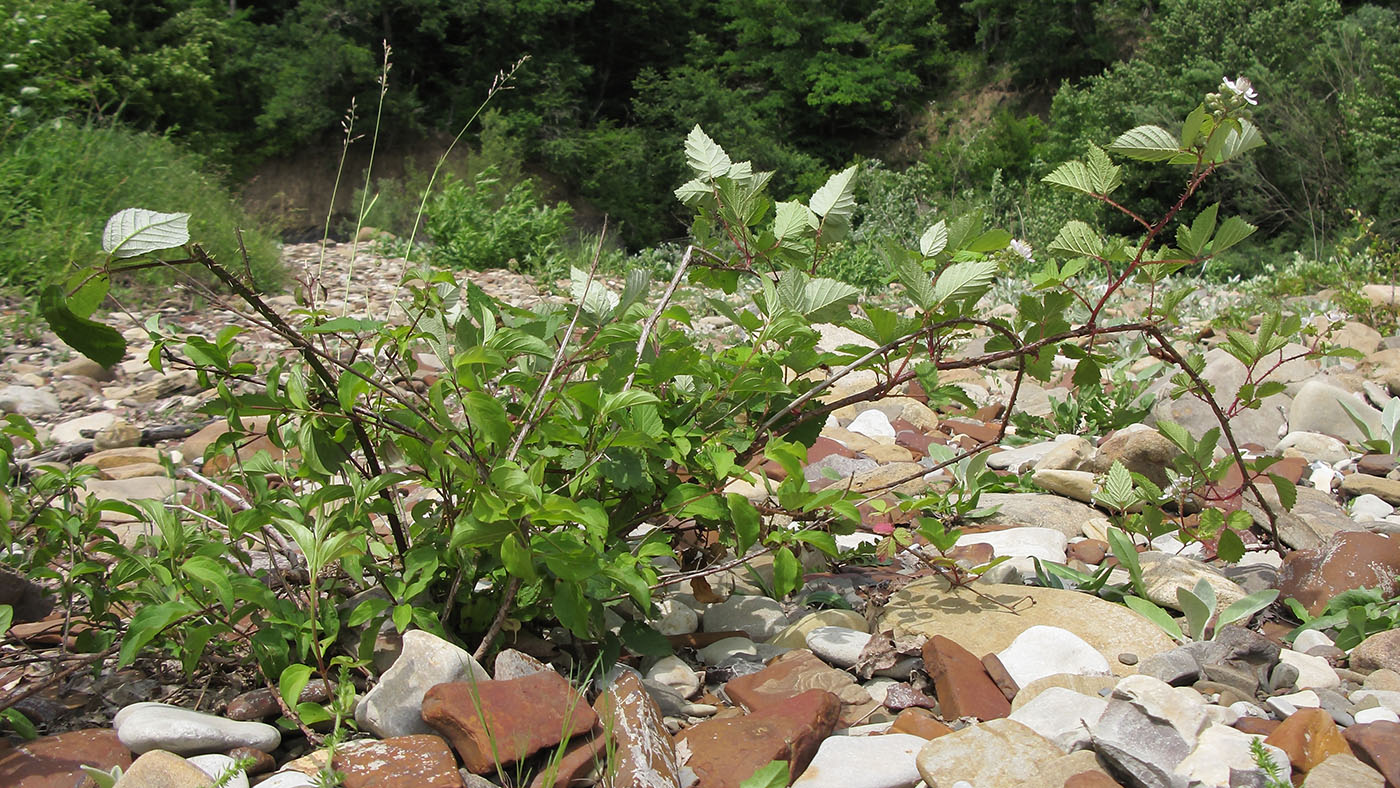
{"type": "Point", "coordinates": [929, 607]}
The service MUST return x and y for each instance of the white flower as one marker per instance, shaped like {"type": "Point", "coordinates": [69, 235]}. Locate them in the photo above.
{"type": "Point", "coordinates": [1241, 87]}
{"type": "Point", "coordinates": [1023, 249]}
{"type": "Point", "coordinates": [10, 67]}
{"type": "Point", "coordinates": [29, 90]}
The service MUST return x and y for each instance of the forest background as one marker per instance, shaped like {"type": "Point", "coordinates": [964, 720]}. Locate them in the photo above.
{"type": "Point", "coordinates": [220, 107]}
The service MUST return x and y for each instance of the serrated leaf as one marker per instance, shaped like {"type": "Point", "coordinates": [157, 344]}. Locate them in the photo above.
{"type": "Point", "coordinates": [597, 300]}
{"type": "Point", "coordinates": [1231, 232]}
{"type": "Point", "coordinates": [1287, 491]}
{"type": "Point", "coordinates": [1229, 547]}
{"type": "Point", "coordinates": [828, 301]}
{"type": "Point", "coordinates": [934, 239]}
{"type": "Point", "coordinates": [1241, 141]}
{"type": "Point", "coordinates": [692, 192]}
{"type": "Point", "coordinates": [793, 220]}
{"type": "Point", "coordinates": [705, 156]}
{"type": "Point", "coordinates": [1072, 175]}
{"type": "Point", "coordinates": [97, 341]}
{"type": "Point", "coordinates": [918, 283]}
{"type": "Point", "coordinates": [1117, 488]}
{"type": "Point", "coordinates": [963, 281]}
{"type": "Point", "coordinates": [1077, 239]}
{"type": "Point", "coordinates": [1193, 241]}
{"type": "Point", "coordinates": [1191, 128]}
{"type": "Point", "coordinates": [837, 197]}
{"type": "Point", "coordinates": [1146, 143]}
{"type": "Point", "coordinates": [136, 231]}
{"type": "Point", "coordinates": [1104, 175]}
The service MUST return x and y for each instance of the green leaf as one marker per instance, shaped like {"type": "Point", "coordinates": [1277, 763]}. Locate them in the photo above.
{"type": "Point", "coordinates": [1072, 175]}
{"type": "Point", "coordinates": [1077, 238]}
{"type": "Point", "coordinates": [570, 607]}
{"type": "Point", "coordinates": [99, 342]}
{"type": "Point", "coordinates": [837, 198]}
{"type": "Point", "coordinates": [1231, 232]}
{"type": "Point", "coordinates": [1191, 128]}
{"type": "Point", "coordinates": [1287, 491]}
{"type": "Point", "coordinates": [963, 281]}
{"type": "Point", "coordinates": [1104, 174]}
{"type": "Point", "coordinates": [1193, 240]}
{"type": "Point", "coordinates": [917, 283]}
{"type": "Point", "coordinates": [1146, 143]}
{"type": "Point", "coordinates": [488, 417]}
{"type": "Point", "coordinates": [149, 622]}
{"type": "Point", "coordinates": [704, 156]}
{"type": "Point", "coordinates": [517, 558]}
{"type": "Point", "coordinates": [135, 231]}
{"type": "Point", "coordinates": [1241, 141]}
{"type": "Point", "coordinates": [1156, 615]}
{"type": "Point", "coordinates": [787, 573]}
{"type": "Point", "coordinates": [292, 682]}
{"type": "Point", "coordinates": [7, 617]}
{"type": "Point", "coordinates": [1243, 609]}
{"type": "Point", "coordinates": [828, 300]}
{"type": "Point", "coordinates": [1229, 548]}
{"type": "Point", "coordinates": [627, 399]}
{"type": "Point", "coordinates": [692, 192]}
{"type": "Point", "coordinates": [86, 288]}
{"type": "Point", "coordinates": [793, 220]}
{"type": "Point", "coordinates": [772, 775]}
{"type": "Point", "coordinates": [20, 723]}
{"type": "Point", "coordinates": [1117, 489]}
{"type": "Point", "coordinates": [644, 640]}
{"type": "Point", "coordinates": [934, 239]}
{"type": "Point", "coordinates": [745, 518]}
{"type": "Point", "coordinates": [212, 574]}
{"type": "Point", "coordinates": [1198, 606]}
{"type": "Point", "coordinates": [990, 241]}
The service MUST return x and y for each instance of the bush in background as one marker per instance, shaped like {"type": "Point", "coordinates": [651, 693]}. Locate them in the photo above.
{"type": "Point", "coordinates": [60, 182]}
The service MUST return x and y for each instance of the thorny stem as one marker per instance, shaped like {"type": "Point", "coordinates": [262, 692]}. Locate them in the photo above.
{"type": "Point", "coordinates": [1203, 393]}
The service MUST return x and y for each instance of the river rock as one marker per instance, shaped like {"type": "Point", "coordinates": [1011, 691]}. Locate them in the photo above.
{"type": "Point", "coordinates": [996, 752]}
{"type": "Point", "coordinates": [143, 727]}
{"type": "Point", "coordinates": [392, 707]}
{"type": "Point", "coordinates": [1046, 650]}
{"type": "Point", "coordinates": [886, 761]}
{"type": "Point", "coordinates": [1318, 408]}
{"type": "Point", "coordinates": [1039, 510]}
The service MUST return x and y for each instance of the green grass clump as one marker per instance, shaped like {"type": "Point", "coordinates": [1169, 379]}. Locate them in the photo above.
{"type": "Point", "coordinates": [61, 182]}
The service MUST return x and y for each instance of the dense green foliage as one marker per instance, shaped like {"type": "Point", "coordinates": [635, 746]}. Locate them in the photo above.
{"type": "Point", "coordinates": [977, 96]}
{"type": "Point", "coordinates": [60, 182]}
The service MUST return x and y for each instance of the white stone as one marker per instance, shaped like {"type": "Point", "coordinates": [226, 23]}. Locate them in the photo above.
{"type": "Point", "coordinates": [1388, 699]}
{"type": "Point", "coordinates": [886, 761]}
{"type": "Point", "coordinates": [838, 646]}
{"type": "Point", "coordinates": [159, 726]}
{"type": "Point", "coordinates": [1377, 714]}
{"type": "Point", "coordinates": [1286, 705]}
{"type": "Point", "coordinates": [720, 650]}
{"type": "Point", "coordinates": [1365, 508]}
{"type": "Point", "coordinates": [1018, 459]}
{"type": "Point", "coordinates": [1314, 446]}
{"type": "Point", "coordinates": [676, 674]}
{"type": "Point", "coordinates": [1047, 544]}
{"type": "Point", "coordinates": [878, 688]}
{"type": "Point", "coordinates": [215, 764]}
{"type": "Point", "coordinates": [675, 618]}
{"type": "Point", "coordinates": [872, 423]}
{"type": "Point", "coordinates": [756, 616]}
{"type": "Point", "coordinates": [1181, 707]}
{"type": "Point", "coordinates": [1062, 715]}
{"type": "Point", "coordinates": [394, 706]}
{"type": "Point", "coordinates": [1222, 749]}
{"type": "Point", "coordinates": [1310, 639]}
{"type": "Point", "coordinates": [1044, 651]}
{"type": "Point", "coordinates": [71, 430]}
{"type": "Point", "coordinates": [29, 401]}
{"type": "Point", "coordinates": [1313, 672]}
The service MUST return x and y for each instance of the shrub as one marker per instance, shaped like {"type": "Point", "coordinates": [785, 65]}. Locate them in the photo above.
{"type": "Point", "coordinates": [486, 224]}
{"type": "Point", "coordinates": [60, 183]}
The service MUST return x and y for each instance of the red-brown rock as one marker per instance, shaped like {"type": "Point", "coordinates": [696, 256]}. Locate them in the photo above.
{"type": "Point", "coordinates": [644, 755]}
{"type": "Point", "coordinates": [1091, 779]}
{"type": "Point", "coordinates": [262, 703]}
{"type": "Point", "coordinates": [1090, 551]}
{"type": "Point", "coordinates": [493, 723]}
{"type": "Point", "coordinates": [725, 752]}
{"type": "Point", "coordinates": [919, 722]}
{"type": "Point", "coordinates": [262, 762]}
{"type": "Point", "coordinates": [1349, 559]}
{"type": "Point", "coordinates": [57, 761]}
{"type": "Point", "coordinates": [1309, 736]}
{"type": "Point", "coordinates": [1255, 726]}
{"type": "Point", "coordinates": [963, 687]}
{"type": "Point", "coordinates": [1376, 464]}
{"type": "Point", "coordinates": [997, 672]}
{"type": "Point", "coordinates": [794, 673]}
{"type": "Point", "coordinates": [1377, 744]}
{"type": "Point", "coordinates": [419, 761]}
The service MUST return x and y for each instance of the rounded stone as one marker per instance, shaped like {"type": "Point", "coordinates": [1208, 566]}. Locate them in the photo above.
{"type": "Point", "coordinates": [143, 727]}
